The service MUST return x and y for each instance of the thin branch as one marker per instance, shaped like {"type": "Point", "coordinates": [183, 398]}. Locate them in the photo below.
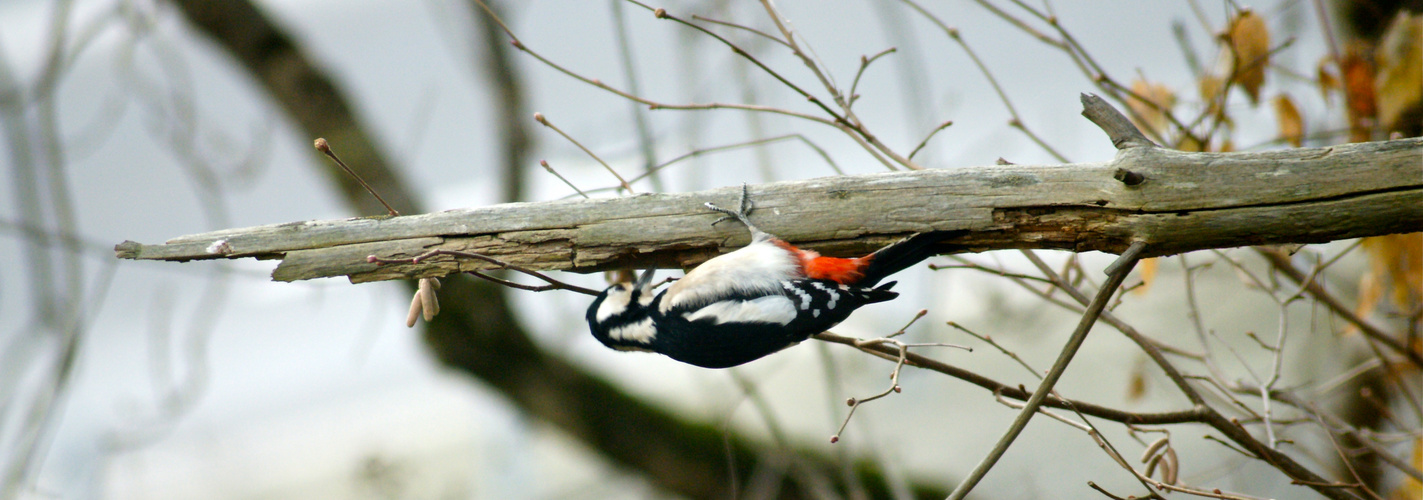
{"type": "Point", "coordinates": [1282, 264]}
{"type": "Point", "coordinates": [639, 99]}
{"type": "Point", "coordinates": [1005, 351]}
{"type": "Point", "coordinates": [539, 117]}
{"type": "Point", "coordinates": [553, 284]}
{"type": "Point", "coordinates": [891, 354]}
{"type": "Point", "coordinates": [625, 58]}
{"type": "Point", "coordinates": [864, 64]}
{"type": "Point", "coordinates": [749, 29]}
{"type": "Point", "coordinates": [1016, 121]}
{"type": "Point", "coordinates": [1122, 266]}
{"type": "Point", "coordinates": [545, 165]}
{"type": "Point", "coordinates": [737, 145]}
{"type": "Point", "coordinates": [325, 148]}
{"type": "Point", "coordinates": [931, 135]}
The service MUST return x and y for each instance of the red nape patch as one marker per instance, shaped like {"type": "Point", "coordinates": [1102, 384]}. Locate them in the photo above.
{"type": "Point", "coordinates": [844, 271]}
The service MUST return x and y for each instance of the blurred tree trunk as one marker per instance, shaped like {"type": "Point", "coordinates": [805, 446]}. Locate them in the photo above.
{"type": "Point", "coordinates": [478, 334]}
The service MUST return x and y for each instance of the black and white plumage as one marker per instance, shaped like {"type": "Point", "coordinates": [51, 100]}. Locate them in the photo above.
{"type": "Point", "coordinates": [754, 301]}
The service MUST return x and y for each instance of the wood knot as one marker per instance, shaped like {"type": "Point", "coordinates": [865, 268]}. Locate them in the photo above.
{"type": "Point", "coordinates": [1128, 177]}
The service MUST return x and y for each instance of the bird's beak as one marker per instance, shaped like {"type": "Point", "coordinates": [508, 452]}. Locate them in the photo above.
{"type": "Point", "coordinates": [645, 279]}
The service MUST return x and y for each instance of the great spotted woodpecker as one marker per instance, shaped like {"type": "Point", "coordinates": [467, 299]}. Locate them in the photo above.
{"type": "Point", "coordinates": [754, 301]}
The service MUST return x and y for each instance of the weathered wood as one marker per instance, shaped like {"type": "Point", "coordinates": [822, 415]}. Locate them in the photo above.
{"type": "Point", "coordinates": [1180, 202]}
{"type": "Point", "coordinates": [1174, 201]}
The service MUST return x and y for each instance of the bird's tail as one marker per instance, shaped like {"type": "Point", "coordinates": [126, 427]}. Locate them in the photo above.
{"type": "Point", "coordinates": [902, 254]}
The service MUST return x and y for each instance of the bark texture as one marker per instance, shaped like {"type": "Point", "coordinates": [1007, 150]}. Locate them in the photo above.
{"type": "Point", "coordinates": [1174, 201]}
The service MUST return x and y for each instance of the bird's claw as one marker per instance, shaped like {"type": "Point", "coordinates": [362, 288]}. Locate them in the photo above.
{"type": "Point", "coordinates": [743, 214]}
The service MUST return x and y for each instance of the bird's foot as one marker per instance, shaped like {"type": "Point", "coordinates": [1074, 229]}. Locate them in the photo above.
{"type": "Point", "coordinates": [742, 214]}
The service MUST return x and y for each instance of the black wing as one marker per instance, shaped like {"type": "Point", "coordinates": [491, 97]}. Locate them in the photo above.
{"type": "Point", "coordinates": [732, 332]}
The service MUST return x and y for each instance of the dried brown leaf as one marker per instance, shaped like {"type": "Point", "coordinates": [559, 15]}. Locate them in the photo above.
{"type": "Point", "coordinates": [1413, 488]}
{"type": "Point", "coordinates": [1399, 60]}
{"type": "Point", "coordinates": [1210, 87]}
{"type": "Point", "coordinates": [1357, 71]}
{"type": "Point", "coordinates": [1396, 264]}
{"type": "Point", "coordinates": [1158, 100]}
{"type": "Point", "coordinates": [1290, 123]}
{"type": "Point", "coordinates": [1136, 383]}
{"type": "Point", "coordinates": [1190, 144]}
{"type": "Point", "coordinates": [1147, 270]}
{"type": "Point", "coordinates": [1328, 81]}
{"type": "Point", "coordinates": [1249, 40]}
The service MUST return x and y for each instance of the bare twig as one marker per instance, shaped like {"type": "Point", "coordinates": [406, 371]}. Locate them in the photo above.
{"type": "Point", "coordinates": [1282, 264]}
{"type": "Point", "coordinates": [539, 117]}
{"type": "Point", "coordinates": [865, 62]}
{"type": "Point", "coordinates": [891, 354]}
{"type": "Point", "coordinates": [1122, 267]}
{"type": "Point", "coordinates": [931, 135]}
{"type": "Point", "coordinates": [736, 145]}
{"type": "Point", "coordinates": [1000, 348]}
{"type": "Point", "coordinates": [625, 58]}
{"type": "Point", "coordinates": [553, 284]}
{"type": "Point", "coordinates": [325, 148]}
{"type": "Point", "coordinates": [545, 165]}
{"type": "Point", "coordinates": [899, 360]}
{"type": "Point", "coordinates": [1016, 121]}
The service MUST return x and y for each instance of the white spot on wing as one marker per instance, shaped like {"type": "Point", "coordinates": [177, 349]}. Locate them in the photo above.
{"type": "Point", "coordinates": [769, 309]}
{"type": "Point", "coordinates": [641, 332]}
{"type": "Point", "coordinates": [834, 296]}
{"type": "Point", "coordinates": [804, 298]}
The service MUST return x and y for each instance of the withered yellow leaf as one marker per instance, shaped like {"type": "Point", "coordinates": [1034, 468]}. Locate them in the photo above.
{"type": "Point", "coordinates": [1210, 87]}
{"type": "Point", "coordinates": [1249, 40]}
{"type": "Point", "coordinates": [1413, 488]}
{"type": "Point", "coordinates": [1147, 269]}
{"type": "Point", "coordinates": [1136, 381]}
{"type": "Point", "coordinates": [1159, 99]}
{"type": "Point", "coordinates": [1328, 82]}
{"type": "Point", "coordinates": [1399, 60]}
{"type": "Point", "coordinates": [1290, 123]}
{"type": "Point", "coordinates": [1396, 263]}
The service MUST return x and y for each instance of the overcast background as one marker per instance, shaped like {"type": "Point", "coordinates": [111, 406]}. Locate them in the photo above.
{"type": "Point", "coordinates": [316, 389]}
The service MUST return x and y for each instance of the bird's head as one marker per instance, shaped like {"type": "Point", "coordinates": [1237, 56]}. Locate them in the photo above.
{"type": "Point", "coordinates": [621, 316]}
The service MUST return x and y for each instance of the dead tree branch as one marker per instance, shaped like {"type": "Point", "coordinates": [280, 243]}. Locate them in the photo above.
{"type": "Point", "coordinates": [1173, 201]}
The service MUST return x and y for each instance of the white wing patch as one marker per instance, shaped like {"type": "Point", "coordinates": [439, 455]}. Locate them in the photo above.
{"type": "Point", "coordinates": [641, 332]}
{"type": "Point", "coordinates": [754, 269]}
{"type": "Point", "coordinates": [769, 309]}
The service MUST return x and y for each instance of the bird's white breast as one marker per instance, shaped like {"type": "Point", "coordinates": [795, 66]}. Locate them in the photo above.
{"type": "Point", "coordinates": [757, 268]}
